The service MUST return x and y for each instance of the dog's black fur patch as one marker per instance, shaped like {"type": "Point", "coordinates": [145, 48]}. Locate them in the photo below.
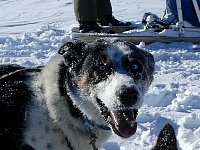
{"type": "Point", "coordinates": [14, 97]}
{"type": "Point", "coordinates": [63, 75]}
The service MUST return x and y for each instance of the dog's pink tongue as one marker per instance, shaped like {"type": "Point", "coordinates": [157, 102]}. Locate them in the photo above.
{"type": "Point", "coordinates": [124, 122]}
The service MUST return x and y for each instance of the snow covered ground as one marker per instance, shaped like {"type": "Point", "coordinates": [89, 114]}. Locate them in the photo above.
{"type": "Point", "coordinates": [32, 31]}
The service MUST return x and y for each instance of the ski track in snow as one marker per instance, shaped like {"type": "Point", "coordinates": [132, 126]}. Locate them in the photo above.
{"type": "Point", "coordinates": [32, 31]}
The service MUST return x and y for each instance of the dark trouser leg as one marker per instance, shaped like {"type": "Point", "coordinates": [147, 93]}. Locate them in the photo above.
{"type": "Point", "coordinates": [85, 10]}
{"type": "Point", "coordinates": [104, 8]}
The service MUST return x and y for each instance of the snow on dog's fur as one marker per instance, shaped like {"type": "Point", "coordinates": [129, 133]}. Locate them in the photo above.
{"type": "Point", "coordinates": [79, 98]}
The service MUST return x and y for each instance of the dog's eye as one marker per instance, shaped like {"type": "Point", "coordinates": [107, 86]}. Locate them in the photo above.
{"type": "Point", "coordinates": [135, 66]}
{"type": "Point", "coordinates": [101, 71]}
{"type": "Point", "coordinates": [102, 68]}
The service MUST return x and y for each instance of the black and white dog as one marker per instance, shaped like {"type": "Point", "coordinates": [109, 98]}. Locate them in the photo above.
{"type": "Point", "coordinates": [76, 101]}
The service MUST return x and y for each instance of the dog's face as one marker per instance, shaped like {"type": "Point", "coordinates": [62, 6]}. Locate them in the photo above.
{"type": "Point", "coordinates": [108, 81]}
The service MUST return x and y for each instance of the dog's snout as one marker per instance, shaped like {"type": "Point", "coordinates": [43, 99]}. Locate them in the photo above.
{"type": "Point", "coordinates": [128, 96]}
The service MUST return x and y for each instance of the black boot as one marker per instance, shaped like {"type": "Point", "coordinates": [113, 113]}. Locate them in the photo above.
{"type": "Point", "coordinates": [111, 21]}
{"type": "Point", "coordinates": [89, 27]}
{"type": "Point", "coordinates": [92, 27]}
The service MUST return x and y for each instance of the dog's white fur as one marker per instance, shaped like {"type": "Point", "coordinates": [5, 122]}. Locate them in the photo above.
{"type": "Point", "coordinates": [47, 130]}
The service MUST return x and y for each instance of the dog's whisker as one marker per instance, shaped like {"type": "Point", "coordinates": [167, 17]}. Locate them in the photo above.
{"type": "Point", "coordinates": [90, 110]}
{"type": "Point", "coordinates": [79, 104]}
{"type": "Point", "coordinates": [93, 110]}
{"type": "Point", "coordinates": [99, 117]}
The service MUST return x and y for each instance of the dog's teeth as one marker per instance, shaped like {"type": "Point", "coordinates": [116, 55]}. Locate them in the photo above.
{"type": "Point", "coordinates": [109, 119]}
{"type": "Point", "coordinates": [126, 117]}
{"type": "Point", "coordinates": [105, 116]}
{"type": "Point", "coordinates": [104, 109]}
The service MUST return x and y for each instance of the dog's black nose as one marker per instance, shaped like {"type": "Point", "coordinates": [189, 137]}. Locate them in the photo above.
{"type": "Point", "coordinates": [128, 96]}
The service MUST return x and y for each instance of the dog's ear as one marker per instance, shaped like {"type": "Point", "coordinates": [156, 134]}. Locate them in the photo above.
{"type": "Point", "coordinates": [73, 53]}
{"type": "Point", "coordinates": [66, 47]}
{"type": "Point", "coordinates": [151, 62]}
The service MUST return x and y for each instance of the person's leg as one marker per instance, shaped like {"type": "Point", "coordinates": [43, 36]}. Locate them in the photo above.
{"type": "Point", "coordinates": [85, 10]}
{"type": "Point", "coordinates": [104, 8]}
{"type": "Point", "coordinates": [86, 14]}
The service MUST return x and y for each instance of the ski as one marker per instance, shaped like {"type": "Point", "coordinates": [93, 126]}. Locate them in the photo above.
{"type": "Point", "coordinates": [116, 29]}
{"type": "Point", "coordinates": [147, 39]}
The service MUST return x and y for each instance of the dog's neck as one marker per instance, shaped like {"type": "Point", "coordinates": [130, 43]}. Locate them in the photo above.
{"type": "Point", "coordinates": [91, 127]}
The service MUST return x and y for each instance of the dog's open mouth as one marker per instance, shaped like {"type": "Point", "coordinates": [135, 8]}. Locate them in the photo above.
{"type": "Point", "coordinates": [122, 122]}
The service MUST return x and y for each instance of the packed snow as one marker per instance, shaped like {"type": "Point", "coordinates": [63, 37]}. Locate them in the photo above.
{"type": "Point", "coordinates": [32, 31]}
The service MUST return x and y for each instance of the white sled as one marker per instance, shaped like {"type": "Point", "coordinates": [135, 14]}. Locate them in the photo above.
{"type": "Point", "coordinates": [147, 39]}
{"type": "Point", "coordinates": [137, 34]}
{"type": "Point", "coordinates": [142, 35]}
